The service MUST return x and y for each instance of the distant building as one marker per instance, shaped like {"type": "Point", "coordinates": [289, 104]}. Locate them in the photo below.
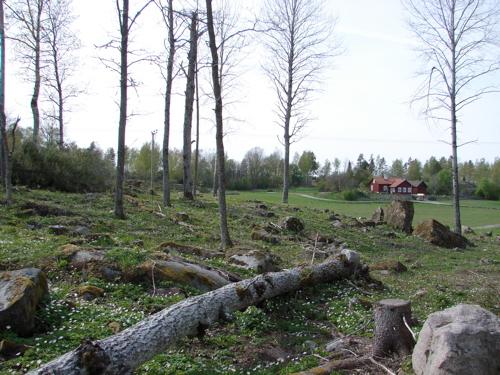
{"type": "Point", "coordinates": [394, 185]}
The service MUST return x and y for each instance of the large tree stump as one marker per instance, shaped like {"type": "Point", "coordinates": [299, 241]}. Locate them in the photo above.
{"type": "Point", "coordinates": [391, 332]}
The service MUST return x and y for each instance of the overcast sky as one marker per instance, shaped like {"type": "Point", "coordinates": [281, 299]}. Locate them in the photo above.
{"type": "Point", "coordinates": [363, 106]}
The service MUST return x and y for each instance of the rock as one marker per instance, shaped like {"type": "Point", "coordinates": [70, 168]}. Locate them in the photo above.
{"type": "Point", "coordinates": [257, 261]}
{"type": "Point", "coordinates": [336, 345]}
{"type": "Point", "coordinates": [33, 225]}
{"type": "Point", "coordinates": [80, 230]}
{"type": "Point", "coordinates": [9, 350]}
{"type": "Point", "coordinates": [82, 258]}
{"type": "Point", "coordinates": [293, 224]}
{"type": "Point", "coordinates": [436, 233]}
{"type": "Point", "coordinates": [261, 206]}
{"type": "Point", "coordinates": [399, 215]}
{"type": "Point", "coordinates": [337, 224]}
{"type": "Point", "coordinates": [273, 354]}
{"type": "Point", "coordinates": [467, 230]}
{"type": "Point", "coordinates": [90, 292]}
{"type": "Point", "coordinates": [21, 292]}
{"type": "Point", "coordinates": [390, 265]}
{"type": "Point", "coordinates": [464, 339]}
{"type": "Point", "coordinates": [310, 346]}
{"type": "Point", "coordinates": [378, 216]}
{"type": "Point", "coordinates": [181, 216]}
{"type": "Point", "coordinates": [334, 217]}
{"type": "Point", "coordinates": [170, 247]}
{"type": "Point", "coordinates": [196, 275]}
{"type": "Point", "coordinates": [262, 235]}
{"type": "Point", "coordinates": [351, 256]}
{"type": "Point", "coordinates": [58, 230]}
{"type": "Point", "coordinates": [265, 213]}
{"type": "Point", "coordinates": [34, 208]}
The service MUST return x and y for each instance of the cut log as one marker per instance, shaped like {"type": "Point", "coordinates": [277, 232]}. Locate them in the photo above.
{"type": "Point", "coordinates": [391, 332]}
{"type": "Point", "coordinates": [125, 351]}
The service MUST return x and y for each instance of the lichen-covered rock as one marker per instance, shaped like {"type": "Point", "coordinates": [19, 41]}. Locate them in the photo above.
{"type": "Point", "coordinates": [256, 260]}
{"type": "Point", "coordinates": [196, 275]}
{"type": "Point", "coordinates": [20, 293]}
{"type": "Point", "coordinates": [390, 265]}
{"type": "Point", "coordinates": [399, 215]}
{"type": "Point", "coordinates": [464, 339]}
{"type": "Point", "coordinates": [438, 234]}
{"type": "Point", "coordinates": [262, 235]}
{"type": "Point", "coordinates": [90, 292]}
{"type": "Point", "coordinates": [293, 224]}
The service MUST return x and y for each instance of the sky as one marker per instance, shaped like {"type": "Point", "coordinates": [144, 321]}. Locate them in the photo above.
{"type": "Point", "coordinates": [363, 105]}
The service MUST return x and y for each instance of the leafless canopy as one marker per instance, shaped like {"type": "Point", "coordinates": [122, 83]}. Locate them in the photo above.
{"type": "Point", "coordinates": [454, 37]}
{"type": "Point", "coordinates": [298, 41]}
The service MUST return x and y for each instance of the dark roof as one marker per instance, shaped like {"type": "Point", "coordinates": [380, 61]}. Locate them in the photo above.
{"type": "Point", "coordinates": [417, 183]}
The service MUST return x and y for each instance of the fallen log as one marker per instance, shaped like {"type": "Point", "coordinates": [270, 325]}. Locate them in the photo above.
{"type": "Point", "coordinates": [339, 364]}
{"type": "Point", "coordinates": [128, 349]}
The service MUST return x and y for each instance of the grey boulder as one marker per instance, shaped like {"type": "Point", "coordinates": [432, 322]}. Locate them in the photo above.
{"type": "Point", "coordinates": [464, 339]}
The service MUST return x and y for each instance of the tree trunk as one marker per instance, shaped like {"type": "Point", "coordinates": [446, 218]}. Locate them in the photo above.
{"type": "Point", "coordinates": [125, 351]}
{"type": "Point", "coordinates": [225, 239]}
{"type": "Point", "coordinates": [197, 150]}
{"type": "Point", "coordinates": [391, 333]}
{"type": "Point", "coordinates": [188, 108]}
{"type": "Point", "coordinates": [286, 169]}
{"type": "Point", "coordinates": [4, 146]}
{"type": "Point", "coordinates": [453, 107]}
{"type": "Point", "coordinates": [36, 88]}
{"type": "Point", "coordinates": [60, 98]}
{"type": "Point", "coordinates": [215, 183]}
{"type": "Point", "coordinates": [120, 165]}
{"type": "Point", "coordinates": [168, 98]}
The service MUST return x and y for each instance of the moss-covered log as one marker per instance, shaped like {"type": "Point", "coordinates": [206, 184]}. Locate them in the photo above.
{"type": "Point", "coordinates": [123, 352]}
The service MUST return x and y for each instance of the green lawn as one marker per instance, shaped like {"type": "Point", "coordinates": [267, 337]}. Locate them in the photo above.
{"type": "Point", "coordinates": [475, 213]}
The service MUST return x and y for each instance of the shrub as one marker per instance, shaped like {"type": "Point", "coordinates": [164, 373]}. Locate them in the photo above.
{"type": "Point", "coordinates": [71, 169]}
{"type": "Point", "coordinates": [488, 190]}
{"type": "Point", "coordinates": [351, 195]}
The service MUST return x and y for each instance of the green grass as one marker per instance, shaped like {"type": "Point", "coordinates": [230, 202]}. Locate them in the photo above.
{"type": "Point", "coordinates": [437, 278]}
{"type": "Point", "coordinates": [474, 213]}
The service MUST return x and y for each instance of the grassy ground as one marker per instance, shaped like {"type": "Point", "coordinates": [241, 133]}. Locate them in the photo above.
{"type": "Point", "coordinates": [298, 325]}
{"type": "Point", "coordinates": [474, 213]}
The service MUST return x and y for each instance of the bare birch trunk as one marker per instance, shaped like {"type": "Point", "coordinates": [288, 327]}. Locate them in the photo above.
{"type": "Point", "coordinates": [125, 351]}
{"type": "Point", "coordinates": [5, 157]}
{"type": "Point", "coordinates": [168, 99]}
{"type": "Point", "coordinates": [36, 88]}
{"type": "Point", "coordinates": [221, 174]}
{"type": "Point", "coordinates": [120, 165]}
{"type": "Point", "coordinates": [188, 108]}
{"type": "Point", "coordinates": [197, 150]}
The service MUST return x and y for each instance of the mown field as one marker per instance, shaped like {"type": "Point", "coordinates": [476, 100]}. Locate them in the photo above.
{"type": "Point", "coordinates": [475, 213]}
{"type": "Point", "coordinates": [296, 326]}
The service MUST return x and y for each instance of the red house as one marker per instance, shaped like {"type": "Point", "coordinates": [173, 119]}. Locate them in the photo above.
{"type": "Point", "coordinates": [394, 185]}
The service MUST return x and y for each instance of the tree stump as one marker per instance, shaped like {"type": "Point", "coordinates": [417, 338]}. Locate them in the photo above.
{"type": "Point", "coordinates": [391, 333]}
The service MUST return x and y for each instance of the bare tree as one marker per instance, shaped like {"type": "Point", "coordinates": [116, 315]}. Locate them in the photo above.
{"type": "Point", "coordinates": [188, 108]}
{"type": "Point", "coordinates": [126, 23]}
{"type": "Point", "coordinates": [61, 42]}
{"type": "Point", "coordinates": [6, 178]}
{"type": "Point", "coordinates": [167, 12]}
{"type": "Point", "coordinates": [454, 37]}
{"type": "Point", "coordinates": [28, 17]}
{"type": "Point", "coordinates": [297, 41]}
{"type": "Point", "coordinates": [220, 167]}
